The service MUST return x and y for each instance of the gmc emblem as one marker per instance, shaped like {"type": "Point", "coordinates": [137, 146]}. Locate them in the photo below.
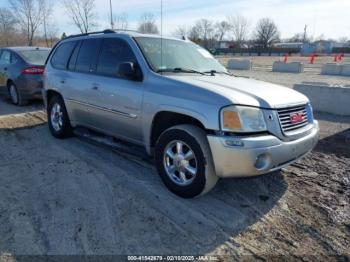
{"type": "Point", "coordinates": [297, 118]}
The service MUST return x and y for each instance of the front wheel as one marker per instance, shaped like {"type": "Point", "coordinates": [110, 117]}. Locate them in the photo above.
{"type": "Point", "coordinates": [58, 119]}
{"type": "Point", "coordinates": [184, 161]}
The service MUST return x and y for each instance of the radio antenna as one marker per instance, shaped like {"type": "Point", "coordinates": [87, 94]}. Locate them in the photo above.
{"type": "Point", "coordinates": [161, 34]}
{"type": "Point", "coordinates": [110, 7]}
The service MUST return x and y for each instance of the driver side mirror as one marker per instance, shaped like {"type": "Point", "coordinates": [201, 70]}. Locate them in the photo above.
{"type": "Point", "coordinates": [130, 71]}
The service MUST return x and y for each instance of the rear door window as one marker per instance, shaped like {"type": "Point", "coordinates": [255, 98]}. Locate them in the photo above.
{"type": "Point", "coordinates": [73, 58]}
{"type": "Point", "coordinates": [62, 54]}
{"type": "Point", "coordinates": [14, 58]}
{"type": "Point", "coordinates": [113, 53]}
{"type": "Point", "coordinates": [87, 55]}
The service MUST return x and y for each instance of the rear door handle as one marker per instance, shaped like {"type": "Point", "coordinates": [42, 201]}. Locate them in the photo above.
{"type": "Point", "coordinates": [5, 68]}
{"type": "Point", "coordinates": [95, 86]}
{"type": "Point", "coordinates": [63, 81]}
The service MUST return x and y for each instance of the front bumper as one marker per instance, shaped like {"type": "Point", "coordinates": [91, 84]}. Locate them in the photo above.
{"type": "Point", "coordinates": [257, 155]}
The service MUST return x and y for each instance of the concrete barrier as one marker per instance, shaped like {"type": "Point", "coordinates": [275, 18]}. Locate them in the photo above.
{"type": "Point", "coordinates": [345, 71]}
{"type": "Point", "coordinates": [239, 64]}
{"type": "Point", "coordinates": [331, 69]}
{"type": "Point", "coordinates": [336, 69]}
{"type": "Point", "coordinates": [294, 67]}
{"type": "Point", "coordinates": [325, 98]}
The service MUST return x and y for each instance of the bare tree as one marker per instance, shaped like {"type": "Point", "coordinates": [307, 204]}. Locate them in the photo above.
{"type": "Point", "coordinates": [321, 37]}
{"type": "Point", "coordinates": [47, 23]}
{"type": "Point", "coordinates": [299, 37]}
{"type": "Point", "coordinates": [222, 29]}
{"type": "Point", "coordinates": [203, 33]}
{"type": "Point", "coordinates": [29, 15]}
{"type": "Point", "coordinates": [51, 35]}
{"type": "Point", "coordinates": [7, 25]}
{"type": "Point", "coordinates": [82, 12]}
{"type": "Point", "coordinates": [122, 21]}
{"type": "Point", "coordinates": [147, 24]}
{"type": "Point", "coordinates": [266, 32]}
{"type": "Point", "coordinates": [181, 31]}
{"type": "Point", "coordinates": [239, 26]}
{"type": "Point", "coordinates": [195, 34]}
{"type": "Point", "coordinates": [206, 27]}
{"type": "Point", "coordinates": [343, 39]}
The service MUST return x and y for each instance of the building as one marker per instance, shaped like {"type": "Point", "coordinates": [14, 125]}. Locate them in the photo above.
{"type": "Point", "coordinates": [288, 45]}
{"type": "Point", "coordinates": [318, 47]}
{"type": "Point", "coordinates": [225, 44]}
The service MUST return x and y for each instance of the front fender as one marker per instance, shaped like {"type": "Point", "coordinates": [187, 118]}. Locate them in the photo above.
{"type": "Point", "coordinates": [205, 120]}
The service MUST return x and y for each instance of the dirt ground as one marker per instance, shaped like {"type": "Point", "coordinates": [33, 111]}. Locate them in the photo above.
{"type": "Point", "coordinates": [75, 197]}
{"type": "Point", "coordinates": [262, 70]}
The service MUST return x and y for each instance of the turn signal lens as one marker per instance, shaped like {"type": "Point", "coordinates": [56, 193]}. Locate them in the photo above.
{"type": "Point", "coordinates": [231, 120]}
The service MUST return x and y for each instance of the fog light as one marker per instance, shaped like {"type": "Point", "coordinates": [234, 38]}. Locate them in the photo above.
{"type": "Point", "coordinates": [262, 161]}
{"type": "Point", "coordinates": [232, 143]}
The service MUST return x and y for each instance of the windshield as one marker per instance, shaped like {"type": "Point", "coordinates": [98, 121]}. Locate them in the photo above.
{"type": "Point", "coordinates": [177, 55]}
{"type": "Point", "coordinates": [36, 57]}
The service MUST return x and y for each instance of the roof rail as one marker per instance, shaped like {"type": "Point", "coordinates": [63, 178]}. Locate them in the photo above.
{"type": "Point", "coordinates": [124, 30]}
{"type": "Point", "coordinates": [106, 31]}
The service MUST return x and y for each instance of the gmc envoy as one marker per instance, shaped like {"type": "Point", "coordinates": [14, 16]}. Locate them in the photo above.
{"type": "Point", "coordinates": [174, 98]}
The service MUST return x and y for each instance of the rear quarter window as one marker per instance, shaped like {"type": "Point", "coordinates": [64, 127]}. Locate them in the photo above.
{"type": "Point", "coordinates": [62, 54]}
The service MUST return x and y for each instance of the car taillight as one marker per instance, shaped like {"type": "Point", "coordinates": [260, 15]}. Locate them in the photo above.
{"type": "Point", "coordinates": [33, 70]}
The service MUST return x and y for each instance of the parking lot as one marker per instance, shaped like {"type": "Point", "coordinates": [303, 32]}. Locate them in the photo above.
{"type": "Point", "coordinates": [77, 196]}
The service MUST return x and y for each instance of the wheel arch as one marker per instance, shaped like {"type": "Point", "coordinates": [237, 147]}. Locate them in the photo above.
{"type": "Point", "coordinates": [49, 94]}
{"type": "Point", "coordinates": [166, 119]}
{"type": "Point", "coordinates": [8, 82]}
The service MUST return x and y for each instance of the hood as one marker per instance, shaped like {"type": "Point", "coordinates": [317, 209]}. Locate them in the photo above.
{"type": "Point", "coordinates": [245, 91]}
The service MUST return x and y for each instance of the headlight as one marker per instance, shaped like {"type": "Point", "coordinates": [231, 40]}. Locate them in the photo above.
{"type": "Point", "coordinates": [242, 119]}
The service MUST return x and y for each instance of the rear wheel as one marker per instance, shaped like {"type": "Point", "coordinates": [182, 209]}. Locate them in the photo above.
{"type": "Point", "coordinates": [15, 95]}
{"type": "Point", "coordinates": [58, 119]}
{"type": "Point", "coordinates": [184, 161]}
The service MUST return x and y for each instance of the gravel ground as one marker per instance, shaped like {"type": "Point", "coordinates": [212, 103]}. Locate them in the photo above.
{"type": "Point", "coordinates": [73, 197]}
{"type": "Point", "coordinates": [7, 108]}
{"type": "Point", "coordinates": [290, 79]}
{"type": "Point", "coordinates": [262, 70]}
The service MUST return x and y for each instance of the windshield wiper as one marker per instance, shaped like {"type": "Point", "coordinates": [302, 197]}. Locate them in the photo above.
{"type": "Point", "coordinates": [180, 70]}
{"type": "Point", "coordinates": [213, 72]}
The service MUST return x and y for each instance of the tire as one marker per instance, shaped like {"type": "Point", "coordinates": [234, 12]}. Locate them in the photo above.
{"type": "Point", "coordinates": [15, 95]}
{"type": "Point", "coordinates": [58, 119]}
{"type": "Point", "coordinates": [182, 182]}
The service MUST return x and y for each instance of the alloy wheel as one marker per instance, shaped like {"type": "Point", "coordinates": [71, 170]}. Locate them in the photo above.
{"type": "Point", "coordinates": [180, 163]}
{"type": "Point", "coordinates": [13, 94]}
{"type": "Point", "coordinates": [56, 117]}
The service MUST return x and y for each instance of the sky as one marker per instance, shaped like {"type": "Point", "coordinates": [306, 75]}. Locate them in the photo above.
{"type": "Point", "coordinates": [323, 17]}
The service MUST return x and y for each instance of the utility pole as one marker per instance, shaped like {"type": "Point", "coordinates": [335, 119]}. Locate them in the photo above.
{"type": "Point", "coordinates": [110, 7]}
{"type": "Point", "coordinates": [305, 34]}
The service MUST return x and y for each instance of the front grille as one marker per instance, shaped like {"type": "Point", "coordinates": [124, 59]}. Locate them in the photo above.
{"type": "Point", "coordinates": [285, 118]}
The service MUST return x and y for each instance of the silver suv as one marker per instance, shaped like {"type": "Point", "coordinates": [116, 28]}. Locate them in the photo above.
{"type": "Point", "coordinates": [172, 97]}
